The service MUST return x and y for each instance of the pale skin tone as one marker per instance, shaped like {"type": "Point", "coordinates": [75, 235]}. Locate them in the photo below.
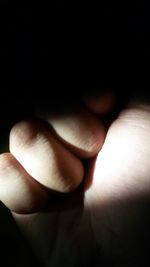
{"type": "Point", "coordinates": [81, 193]}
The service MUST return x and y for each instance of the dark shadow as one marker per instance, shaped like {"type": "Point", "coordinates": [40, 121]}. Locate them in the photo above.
{"type": "Point", "coordinates": [123, 227]}
{"type": "Point", "coordinates": [14, 249]}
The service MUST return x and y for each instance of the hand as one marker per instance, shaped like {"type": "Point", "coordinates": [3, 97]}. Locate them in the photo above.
{"type": "Point", "coordinates": [104, 219]}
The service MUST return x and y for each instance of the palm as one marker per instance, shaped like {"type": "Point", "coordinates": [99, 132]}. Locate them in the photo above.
{"type": "Point", "coordinates": [101, 225]}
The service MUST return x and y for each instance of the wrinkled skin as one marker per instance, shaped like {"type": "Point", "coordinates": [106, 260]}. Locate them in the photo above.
{"type": "Point", "coordinates": [105, 221]}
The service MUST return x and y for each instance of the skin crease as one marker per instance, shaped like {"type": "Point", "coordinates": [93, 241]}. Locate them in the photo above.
{"type": "Point", "coordinates": [106, 224]}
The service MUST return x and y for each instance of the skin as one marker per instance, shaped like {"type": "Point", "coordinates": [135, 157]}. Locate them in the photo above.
{"type": "Point", "coordinates": [81, 193]}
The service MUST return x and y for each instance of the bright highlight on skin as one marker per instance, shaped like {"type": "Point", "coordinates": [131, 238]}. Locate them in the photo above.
{"type": "Point", "coordinates": [52, 159]}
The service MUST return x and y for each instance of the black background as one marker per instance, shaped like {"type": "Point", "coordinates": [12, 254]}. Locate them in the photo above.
{"type": "Point", "coordinates": [50, 61]}
{"type": "Point", "coordinates": [59, 4]}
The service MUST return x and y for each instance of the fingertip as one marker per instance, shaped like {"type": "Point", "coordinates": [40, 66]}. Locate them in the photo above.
{"type": "Point", "coordinates": [100, 103]}
{"type": "Point", "coordinates": [80, 131]}
{"type": "Point", "coordinates": [18, 190]}
{"type": "Point", "coordinates": [44, 157]}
